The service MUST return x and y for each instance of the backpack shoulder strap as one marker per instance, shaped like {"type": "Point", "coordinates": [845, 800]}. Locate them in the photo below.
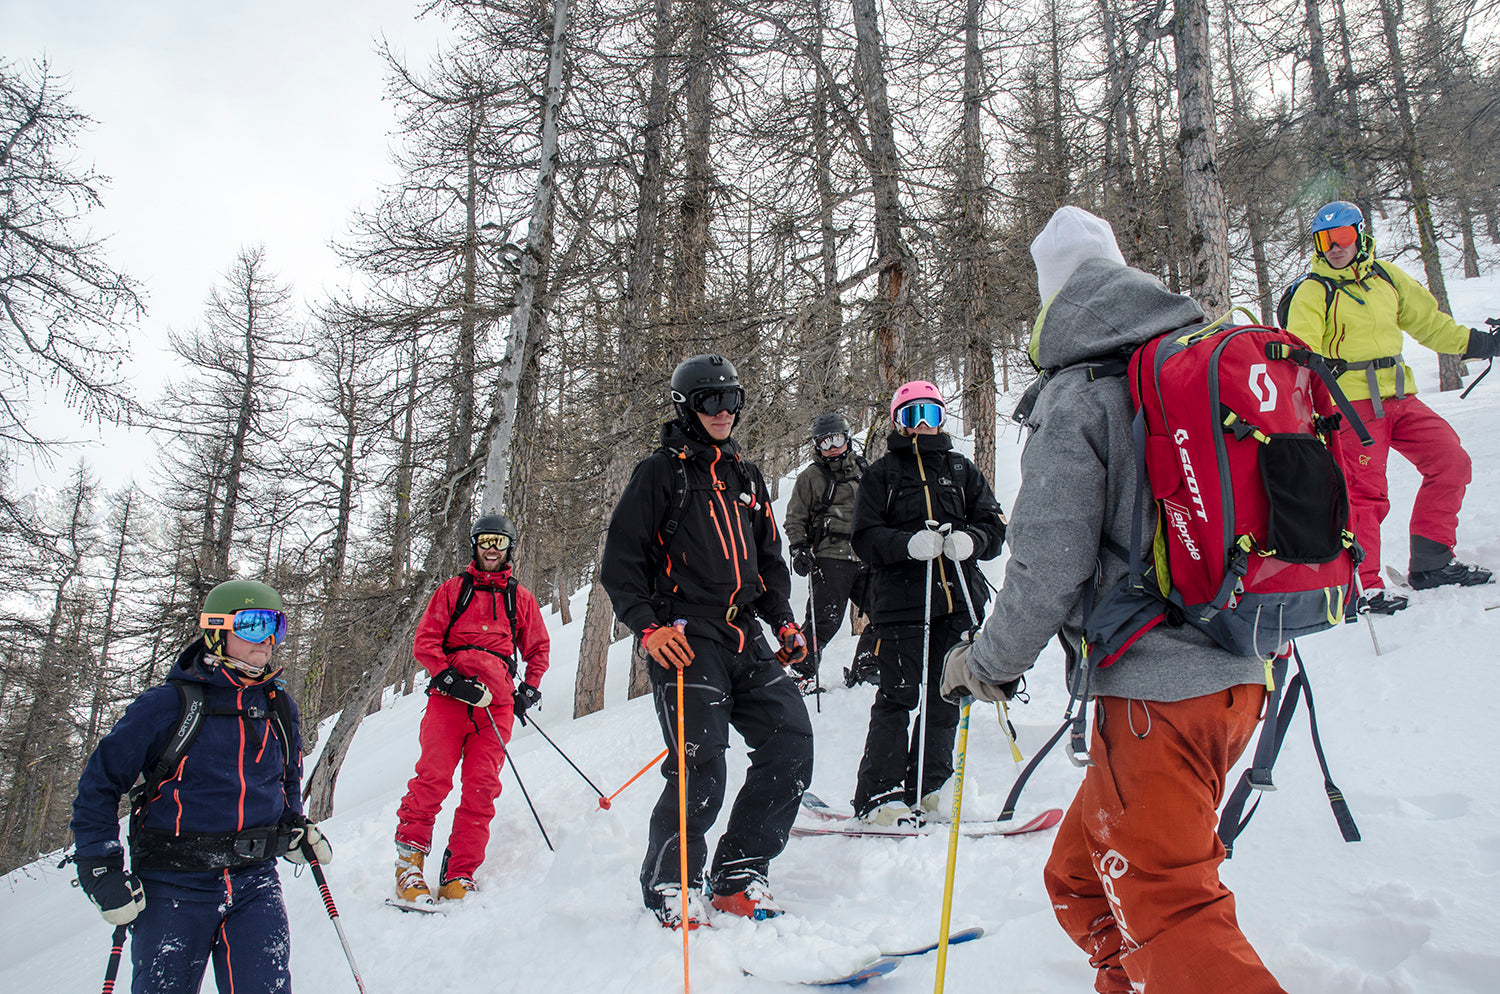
{"type": "Point", "coordinates": [281, 724]}
{"type": "Point", "coordinates": [1284, 305]}
{"type": "Point", "coordinates": [1382, 272]}
{"type": "Point", "coordinates": [465, 597]}
{"type": "Point", "coordinates": [680, 497]}
{"type": "Point", "coordinates": [190, 713]}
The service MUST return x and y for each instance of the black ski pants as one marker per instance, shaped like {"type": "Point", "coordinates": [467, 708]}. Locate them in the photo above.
{"type": "Point", "coordinates": [749, 692]}
{"type": "Point", "coordinates": [888, 770]}
{"type": "Point", "coordinates": [831, 587]}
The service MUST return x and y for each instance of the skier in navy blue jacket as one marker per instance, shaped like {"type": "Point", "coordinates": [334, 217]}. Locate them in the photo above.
{"type": "Point", "coordinates": [204, 834]}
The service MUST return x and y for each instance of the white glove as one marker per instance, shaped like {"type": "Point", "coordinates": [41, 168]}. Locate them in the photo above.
{"type": "Point", "coordinates": [308, 832]}
{"type": "Point", "coordinates": [958, 546]}
{"type": "Point", "coordinates": [925, 544]}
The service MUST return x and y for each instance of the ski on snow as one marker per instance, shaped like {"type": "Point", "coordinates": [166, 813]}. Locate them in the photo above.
{"type": "Point", "coordinates": [844, 823]}
{"type": "Point", "coordinates": [413, 907]}
{"type": "Point", "coordinates": [887, 962]}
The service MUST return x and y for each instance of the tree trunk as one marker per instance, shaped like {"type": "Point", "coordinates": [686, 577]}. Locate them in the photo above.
{"type": "Point", "coordinates": [538, 248]}
{"type": "Point", "coordinates": [896, 264]}
{"type": "Point", "coordinates": [1207, 221]}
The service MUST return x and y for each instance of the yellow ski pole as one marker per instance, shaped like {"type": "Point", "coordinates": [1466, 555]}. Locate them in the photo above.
{"type": "Point", "coordinates": [953, 825]}
{"type": "Point", "coordinates": [1003, 713]}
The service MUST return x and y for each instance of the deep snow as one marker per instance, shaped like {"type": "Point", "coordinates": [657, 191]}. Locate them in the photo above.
{"type": "Point", "coordinates": [1410, 736]}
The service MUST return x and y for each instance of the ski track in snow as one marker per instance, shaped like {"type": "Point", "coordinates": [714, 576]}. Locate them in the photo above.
{"type": "Point", "coordinates": [1410, 738]}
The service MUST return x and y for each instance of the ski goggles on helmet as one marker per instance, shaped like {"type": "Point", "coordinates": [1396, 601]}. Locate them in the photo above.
{"type": "Point", "coordinates": [921, 412]}
{"type": "Point", "coordinates": [489, 540]}
{"type": "Point", "coordinates": [720, 401]}
{"type": "Point", "coordinates": [835, 441]}
{"type": "Point", "coordinates": [255, 624]}
{"type": "Point", "coordinates": [1342, 236]}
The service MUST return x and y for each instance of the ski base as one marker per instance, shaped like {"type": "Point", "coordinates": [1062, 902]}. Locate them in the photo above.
{"type": "Point", "coordinates": [420, 909]}
{"type": "Point", "coordinates": [954, 938]}
{"type": "Point", "coordinates": [854, 978]}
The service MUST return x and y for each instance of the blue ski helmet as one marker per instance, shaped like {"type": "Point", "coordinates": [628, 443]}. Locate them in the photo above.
{"type": "Point", "coordinates": [1337, 215]}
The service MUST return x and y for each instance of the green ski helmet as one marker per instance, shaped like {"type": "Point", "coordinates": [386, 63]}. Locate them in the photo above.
{"type": "Point", "coordinates": [224, 601]}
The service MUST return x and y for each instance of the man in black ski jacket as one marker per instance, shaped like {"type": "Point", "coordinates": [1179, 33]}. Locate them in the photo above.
{"type": "Point", "coordinates": [919, 480]}
{"type": "Point", "coordinates": [692, 563]}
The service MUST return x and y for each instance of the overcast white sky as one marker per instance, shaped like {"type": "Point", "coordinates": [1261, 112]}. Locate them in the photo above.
{"type": "Point", "coordinates": [220, 125]}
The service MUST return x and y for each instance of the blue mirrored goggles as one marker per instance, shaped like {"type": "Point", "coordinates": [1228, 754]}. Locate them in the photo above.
{"type": "Point", "coordinates": [921, 412]}
{"type": "Point", "coordinates": [256, 624]}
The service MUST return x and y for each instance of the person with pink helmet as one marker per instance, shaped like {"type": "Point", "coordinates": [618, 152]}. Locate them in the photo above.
{"type": "Point", "coordinates": [905, 498]}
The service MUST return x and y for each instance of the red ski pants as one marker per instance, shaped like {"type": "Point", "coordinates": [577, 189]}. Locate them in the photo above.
{"type": "Point", "coordinates": [452, 732]}
{"type": "Point", "coordinates": [1427, 442]}
{"type": "Point", "coordinates": [1134, 872]}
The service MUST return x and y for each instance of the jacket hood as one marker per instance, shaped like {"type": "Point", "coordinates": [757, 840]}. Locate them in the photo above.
{"type": "Point", "coordinates": [485, 578]}
{"type": "Point", "coordinates": [196, 664]}
{"type": "Point", "coordinates": [674, 435]}
{"type": "Point", "coordinates": [897, 442]}
{"type": "Point", "coordinates": [1105, 308]}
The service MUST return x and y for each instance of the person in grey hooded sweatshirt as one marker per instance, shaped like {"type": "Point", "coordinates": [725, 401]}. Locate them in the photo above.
{"type": "Point", "coordinates": [1133, 874]}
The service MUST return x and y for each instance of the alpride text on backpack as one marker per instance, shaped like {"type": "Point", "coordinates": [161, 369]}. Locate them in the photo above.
{"type": "Point", "coordinates": [1235, 437]}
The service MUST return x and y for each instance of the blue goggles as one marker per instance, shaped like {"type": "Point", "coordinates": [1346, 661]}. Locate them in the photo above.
{"type": "Point", "coordinates": [256, 624]}
{"type": "Point", "coordinates": [921, 412]}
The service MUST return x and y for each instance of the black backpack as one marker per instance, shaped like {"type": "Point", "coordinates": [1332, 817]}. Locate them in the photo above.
{"type": "Point", "coordinates": [819, 509]}
{"type": "Point", "coordinates": [1330, 287]}
{"type": "Point", "coordinates": [191, 711]}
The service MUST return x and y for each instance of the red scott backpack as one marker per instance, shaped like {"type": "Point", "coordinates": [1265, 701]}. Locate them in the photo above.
{"type": "Point", "coordinates": [1236, 436]}
{"type": "Point", "coordinates": [1236, 432]}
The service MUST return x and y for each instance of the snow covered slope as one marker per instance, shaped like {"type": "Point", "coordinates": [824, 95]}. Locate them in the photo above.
{"type": "Point", "coordinates": [1411, 736]}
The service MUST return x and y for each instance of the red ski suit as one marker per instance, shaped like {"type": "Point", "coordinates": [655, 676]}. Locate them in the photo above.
{"type": "Point", "coordinates": [479, 644]}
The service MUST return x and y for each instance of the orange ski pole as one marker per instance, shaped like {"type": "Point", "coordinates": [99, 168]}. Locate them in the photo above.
{"type": "Point", "coordinates": [682, 860]}
{"type": "Point", "coordinates": [605, 801]}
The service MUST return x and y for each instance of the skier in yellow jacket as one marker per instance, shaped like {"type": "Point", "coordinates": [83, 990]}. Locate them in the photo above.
{"type": "Point", "coordinates": [1354, 307]}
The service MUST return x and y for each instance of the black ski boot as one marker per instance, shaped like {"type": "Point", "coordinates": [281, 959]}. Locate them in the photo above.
{"type": "Point", "coordinates": [1380, 602]}
{"type": "Point", "coordinates": [1455, 573]}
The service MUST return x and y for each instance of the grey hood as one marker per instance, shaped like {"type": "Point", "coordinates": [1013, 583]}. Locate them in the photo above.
{"type": "Point", "coordinates": [1105, 308]}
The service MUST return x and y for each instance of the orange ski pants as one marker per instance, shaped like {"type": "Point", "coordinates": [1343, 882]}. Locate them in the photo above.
{"type": "Point", "coordinates": [1134, 872]}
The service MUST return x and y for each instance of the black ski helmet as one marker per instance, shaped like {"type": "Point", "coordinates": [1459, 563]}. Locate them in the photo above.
{"type": "Point", "coordinates": [828, 424]}
{"type": "Point", "coordinates": [695, 375]}
{"type": "Point", "coordinates": [492, 524]}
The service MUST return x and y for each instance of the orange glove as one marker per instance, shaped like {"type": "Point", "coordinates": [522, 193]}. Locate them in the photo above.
{"type": "Point", "coordinates": [793, 645]}
{"type": "Point", "coordinates": [668, 646]}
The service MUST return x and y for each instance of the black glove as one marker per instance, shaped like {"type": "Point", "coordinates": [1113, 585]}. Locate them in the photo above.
{"type": "Point", "coordinates": [803, 560]}
{"type": "Point", "coordinates": [1482, 344]}
{"type": "Point", "coordinates": [116, 893]}
{"type": "Point", "coordinates": [468, 689]}
{"type": "Point", "coordinates": [526, 696]}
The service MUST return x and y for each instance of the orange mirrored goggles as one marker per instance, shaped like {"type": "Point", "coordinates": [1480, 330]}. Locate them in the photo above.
{"type": "Point", "coordinates": [1343, 237]}
{"type": "Point", "coordinates": [489, 541]}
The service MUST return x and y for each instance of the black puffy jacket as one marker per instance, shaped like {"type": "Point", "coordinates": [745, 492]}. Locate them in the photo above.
{"type": "Point", "coordinates": [918, 479]}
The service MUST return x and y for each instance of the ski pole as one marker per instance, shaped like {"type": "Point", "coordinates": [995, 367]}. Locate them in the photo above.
{"type": "Point", "coordinates": [955, 817]}
{"type": "Point", "coordinates": [816, 643]}
{"type": "Point", "coordinates": [1359, 592]}
{"type": "Point", "coordinates": [519, 782]}
{"type": "Point", "coordinates": [922, 673]}
{"type": "Point", "coordinates": [605, 801]}
{"type": "Point", "coordinates": [1003, 713]}
{"type": "Point", "coordinates": [564, 756]}
{"type": "Point", "coordinates": [116, 948]}
{"type": "Point", "coordinates": [333, 912]}
{"type": "Point", "coordinates": [682, 860]}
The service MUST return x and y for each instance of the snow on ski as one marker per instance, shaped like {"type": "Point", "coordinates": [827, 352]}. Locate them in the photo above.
{"type": "Point", "coordinates": [962, 935]}
{"type": "Point", "coordinates": [844, 823]}
{"type": "Point", "coordinates": [421, 909]}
